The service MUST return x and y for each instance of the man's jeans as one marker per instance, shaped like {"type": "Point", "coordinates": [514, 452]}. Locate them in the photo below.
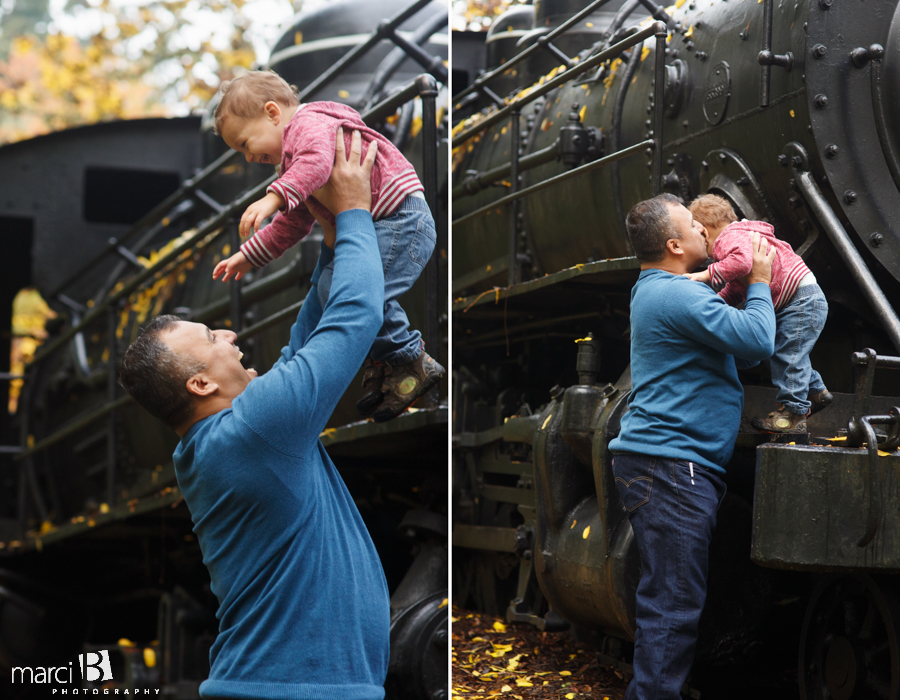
{"type": "Point", "coordinates": [405, 240]}
{"type": "Point", "coordinates": [673, 515]}
{"type": "Point", "coordinates": [797, 327]}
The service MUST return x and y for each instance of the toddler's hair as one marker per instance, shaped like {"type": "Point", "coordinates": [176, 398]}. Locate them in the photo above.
{"type": "Point", "coordinates": [711, 210]}
{"type": "Point", "coordinates": [246, 95]}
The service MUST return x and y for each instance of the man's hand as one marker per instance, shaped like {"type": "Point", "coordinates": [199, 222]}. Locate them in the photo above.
{"type": "Point", "coordinates": [258, 212]}
{"type": "Point", "coordinates": [350, 184]}
{"type": "Point", "coordinates": [237, 266]}
{"type": "Point", "coordinates": [699, 276]}
{"type": "Point", "coordinates": [762, 261]}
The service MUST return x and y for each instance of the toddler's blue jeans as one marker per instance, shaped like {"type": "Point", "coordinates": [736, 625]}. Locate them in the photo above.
{"type": "Point", "coordinates": [405, 240]}
{"type": "Point", "coordinates": [673, 515]}
{"type": "Point", "coordinates": [797, 328]}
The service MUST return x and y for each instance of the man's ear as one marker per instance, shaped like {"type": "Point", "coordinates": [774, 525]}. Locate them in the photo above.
{"type": "Point", "coordinates": [200, 385]}
{"type": "Point", "coordinates": [273, 112]}
{"type": "Point", "coordinates": [673, 246]}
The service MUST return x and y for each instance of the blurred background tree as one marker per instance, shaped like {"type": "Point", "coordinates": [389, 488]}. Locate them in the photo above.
{"type": "Point", "coordinates": [65, 63]}
{"type": "Point", "coordinates": [477, 15]}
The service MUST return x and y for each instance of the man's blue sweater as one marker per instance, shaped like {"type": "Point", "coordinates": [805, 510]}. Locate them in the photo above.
{"type": "Point", "coordinates": [686, 399]}
{"type": "Point", "coordinates": [304, 611]}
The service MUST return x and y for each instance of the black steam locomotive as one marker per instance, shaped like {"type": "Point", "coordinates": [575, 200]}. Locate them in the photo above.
{"type": "Point", "coordinates": [790, 112]}
{"type": "Point", "coordinates": [115, 223]}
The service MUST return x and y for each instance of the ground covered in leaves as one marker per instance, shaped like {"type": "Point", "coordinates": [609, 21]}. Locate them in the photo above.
{"type": "Point", "coordinates": [494, 660]}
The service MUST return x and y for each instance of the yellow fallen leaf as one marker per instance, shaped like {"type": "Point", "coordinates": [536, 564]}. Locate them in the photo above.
{"type": "Point", "coordinates": [505, 689]}
{"type": "Point", "coordinates": [499, 626]}
{"type": "Point", "coordinates": [573, 524]}
{"type": "Point", "coordinates": [587, 531]}
{"type": "Point", "coordinates": [565, 673]}
{"type": "Point", "coordinates": [523, 683]}
{"type": "Point", "coordinates": [570, 696]}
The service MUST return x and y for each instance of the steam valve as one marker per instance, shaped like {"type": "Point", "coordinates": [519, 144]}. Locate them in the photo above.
{"type": "Point", "coordinates": [588, 362]}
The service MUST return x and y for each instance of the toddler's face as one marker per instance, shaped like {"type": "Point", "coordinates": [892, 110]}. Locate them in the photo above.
{"type": "Point", "coordinates": [258, 139]}
{"type": "Point", "coordinates": [712, 233]}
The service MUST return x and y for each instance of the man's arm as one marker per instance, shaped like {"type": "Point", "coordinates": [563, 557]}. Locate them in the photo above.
{"type": "Point", "coordinates": [292, 403]}
{"type": "Point", "coordinates": [748, 334]}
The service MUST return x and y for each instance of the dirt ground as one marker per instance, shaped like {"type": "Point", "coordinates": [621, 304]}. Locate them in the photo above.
{"type": "Point", "coordinates": [492, 659]}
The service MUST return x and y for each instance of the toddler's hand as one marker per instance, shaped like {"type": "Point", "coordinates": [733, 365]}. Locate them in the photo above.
{"type": "Point", "coordinates": [699, 276]}
{"type": "Point", "coordinates": [258, 212]}
{"type": "Point", "coordinates": [237, 266]}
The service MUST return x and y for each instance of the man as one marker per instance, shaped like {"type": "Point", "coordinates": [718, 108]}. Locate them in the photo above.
{"type": "Point", "coordinates": [680, 427]}
{"type": "Point", "coordinates": [304, 610]}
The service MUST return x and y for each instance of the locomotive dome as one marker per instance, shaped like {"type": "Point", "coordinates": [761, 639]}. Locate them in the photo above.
{"type": "Point", "coordinates": [316, 40]}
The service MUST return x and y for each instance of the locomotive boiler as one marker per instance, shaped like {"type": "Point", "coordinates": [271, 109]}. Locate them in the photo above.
{"type": "Point", "coordinates": [115, 223]}
{"type": "Point", "coordinates": [790, 112]}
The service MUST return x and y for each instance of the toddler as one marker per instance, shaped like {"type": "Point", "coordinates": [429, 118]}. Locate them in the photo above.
{"type": "Point", "coordinates": [259, 115]}
{"type": "Point", "coordinates": [800, 308]}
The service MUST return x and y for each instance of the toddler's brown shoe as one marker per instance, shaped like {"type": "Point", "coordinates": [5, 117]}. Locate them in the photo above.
{"type": "Point", "coordinates": [781, 421]}
{"type": "Point", "coordinates": [373, 378]}
{"type": "Point", "coordinates": [404, 384]}
{"type": "Point", "coordinates": [819, 401]}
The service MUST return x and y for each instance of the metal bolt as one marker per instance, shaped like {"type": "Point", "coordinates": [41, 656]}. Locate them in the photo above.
{"type": "Point", "coordinates": [831, 150]}
{"type": "Point", "coordinates": [821, 101]}
{"type": "Point", "coordinates": [743, 35]}
{"type": "Point", "coordinates": [792, 184]}
{"type": "Point", "coordinates": [723, 157]}
{"type": "Point", "coordinates": [702, 55]}
{"type": "Point", "coordinates": [690, 46]}
{"type": "Point", "coordinates": [705, 165]}
{"type": "Point", "coordinates": [825, 4]}
{"type": "Point", "coordinates": [648, 123]}
{"type": "Point", "coordinates": [796, 161]}
{"type": "Point", "coordinates": [794, 201]}
{"type": "Point", "coordinates": [849, 196]}
{"type": "Point", "coordinates": [819, 51]}
{"type": "Point", "coordinates": [743, 181]}
{"type": "Point", "coordinates": [783, 160]}
{"type": "Point", "coordinates": [670, 162]}
{"type": "Point", "coordinates": [685, 124]}
{"type": "Point", "coordinates": [876, 239]}
{"type": "Point", "coordinates": [526, 555]}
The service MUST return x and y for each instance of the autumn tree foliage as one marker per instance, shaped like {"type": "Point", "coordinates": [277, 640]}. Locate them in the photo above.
{"type": "Point", "coordinates": [138, 64]}
{"type": "Point", "coordinates": [477, 15]}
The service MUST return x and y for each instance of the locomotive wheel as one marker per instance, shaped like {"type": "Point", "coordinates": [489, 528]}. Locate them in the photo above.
{"type": "Point", "coordinates": [848, 647]}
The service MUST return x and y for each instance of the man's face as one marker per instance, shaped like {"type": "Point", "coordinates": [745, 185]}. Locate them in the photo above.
{"type": "Point", "coordinates": [258, 139]}
{"type": "Point", "coordinates": [216, 349]}
{"type": "Point", "coordinates": [693, 235]}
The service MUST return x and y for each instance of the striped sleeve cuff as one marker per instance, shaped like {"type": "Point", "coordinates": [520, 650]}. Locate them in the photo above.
{"type": "Point", "coordinates": [290, 196]}
{"type": "Point", "coordinates": [395, 192]}
{"type": "Point", "coordinates": [256, 252]}
{"type": "Point", "coordinates": [714, 275]}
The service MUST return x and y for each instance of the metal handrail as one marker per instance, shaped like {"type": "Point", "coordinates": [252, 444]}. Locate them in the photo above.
{"type": "Point", "coordinates": [656, 28]}
{"type": "Point", "coordinates": [587, 167]}
{"type": "Point", "coordinates": [385, 30]}
{"type": "Point", "coordinates": [483, 79]}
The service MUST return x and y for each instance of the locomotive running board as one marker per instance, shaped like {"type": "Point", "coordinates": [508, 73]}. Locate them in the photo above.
{"type": "Point", "coordinates": [612, 271]}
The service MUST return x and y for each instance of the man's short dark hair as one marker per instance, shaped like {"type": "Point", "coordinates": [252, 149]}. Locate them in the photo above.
{"type": "Point", "coordinates": [649, 226]}
{"type": "Point", "coordinates": [156, 376]}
